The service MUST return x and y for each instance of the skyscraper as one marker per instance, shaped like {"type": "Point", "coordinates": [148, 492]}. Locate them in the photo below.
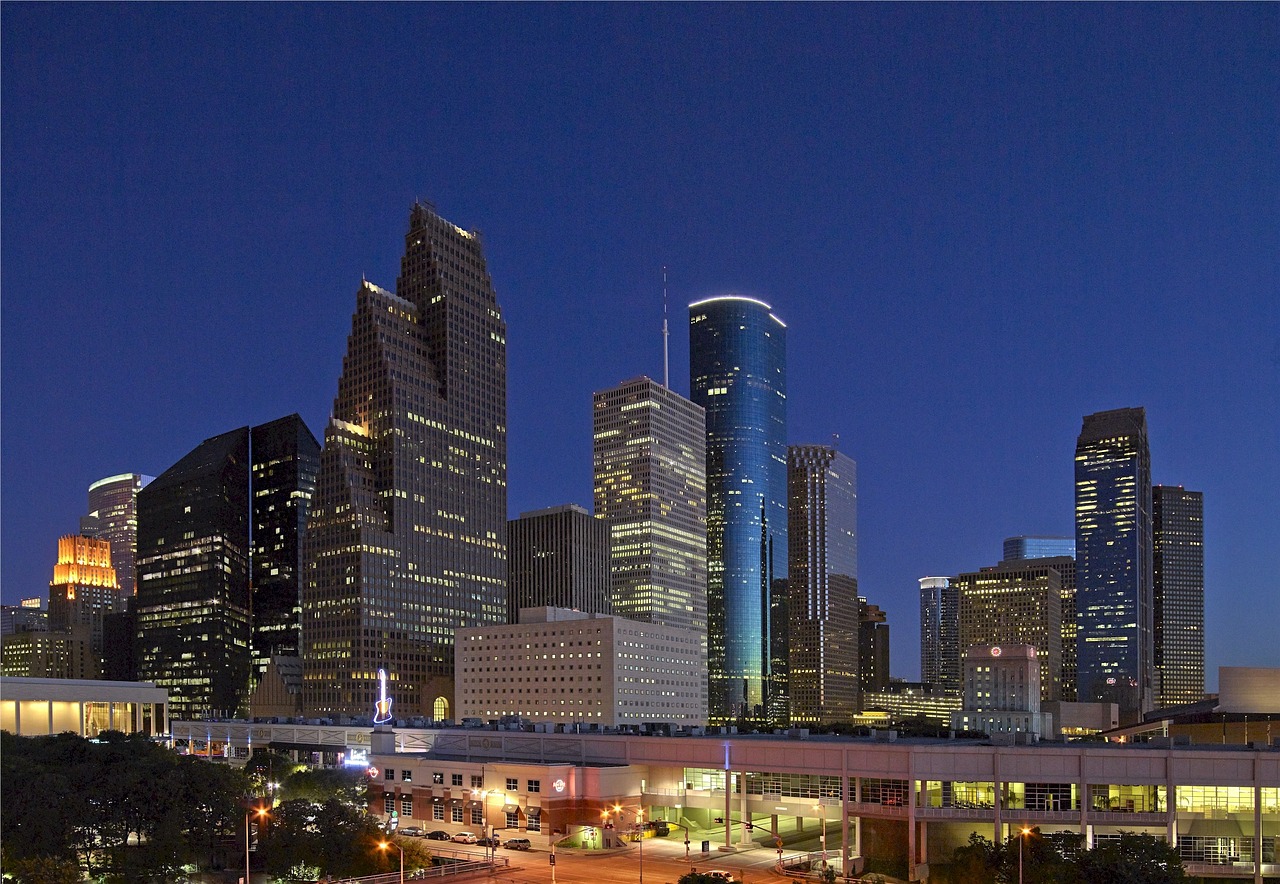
{"type": "Point", "coordinates": [1114, 598]}
{"type": "Point", "coordinates": [1038, 546]}
{"type": "Point", "coordinates": [113, 516]}
{"type": "Point", "coordinates": [649, 460]}
{"type": "Point", "coordinates": [1178, 559]}
{"type": "Point", "coordinates": [407, 538]}
{"type": "Point", "coordinates": [940, 652]}
{"type": "Point", "coordinates": [873, 650]}
{"type": "Point", "coordinates": [822, 564]}
{"type": "Point", "coordinates": [737, 367]}
{"type": "Point", "coordinates": [558, 558]}
{"type": "Point", "coordinates": [193, 604]}
{"type": "Point", "coordinates": [285, 458]}
{"type": "Point", "coordinates": [84, 590]}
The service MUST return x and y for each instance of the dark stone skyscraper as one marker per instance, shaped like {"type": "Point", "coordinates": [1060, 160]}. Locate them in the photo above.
{"type": "Point", "coordinates": [822, 537]}
{"type": "Point", "coordinates": [285, 458]}
{"type": "Point", "coordinates": [193, 606]}
{"type": "Point", "coordinates": [1114, 601]}
{"type": "Point", "coordinates": [559, 558]}
{"type": "Point", "coordinates": [1178, 544]}
{"type": "Point", "coordinates": [737, 367]}
{"type": "Point", "coordinates": [407, 539]}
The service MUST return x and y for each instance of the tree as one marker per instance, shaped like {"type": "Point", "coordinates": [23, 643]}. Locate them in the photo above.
{"type": "Point", "coordinates": [1133, 859]}
{"type": "Point", "coordinates": [318, 786]}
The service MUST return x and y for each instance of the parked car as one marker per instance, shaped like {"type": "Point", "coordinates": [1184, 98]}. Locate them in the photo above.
{"type": "Point", "coordinates": [489, 841]}
{"type": "Point", "coordinates": [415, 831]}
{"type": "Point", "coordinates": [517, 844]}
{"type": "Point", "coordinates": [465, 837]}
{"type": "Point", "coordinates": [721, 873]}
{"type": "Point", "coordinates": [439, 835]}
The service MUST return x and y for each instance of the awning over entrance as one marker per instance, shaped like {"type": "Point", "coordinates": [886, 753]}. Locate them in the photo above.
{"type": "Point", "coordinates": [511, 808]}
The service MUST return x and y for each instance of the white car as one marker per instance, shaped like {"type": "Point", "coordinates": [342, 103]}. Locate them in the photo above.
{"type": "Point", "coordinates": [465, 837]}
{"type": "Point", "coordinates": [721, 873]}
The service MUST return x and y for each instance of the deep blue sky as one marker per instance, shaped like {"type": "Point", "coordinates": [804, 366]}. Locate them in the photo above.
{"type": "Point", "coordinates": [980, 222]}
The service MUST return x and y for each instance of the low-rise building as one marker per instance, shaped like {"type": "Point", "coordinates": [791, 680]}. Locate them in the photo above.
{"type": "Point", "coordinates": [563, 666]}
{"type": "Point", "coordinates": [39, 706]}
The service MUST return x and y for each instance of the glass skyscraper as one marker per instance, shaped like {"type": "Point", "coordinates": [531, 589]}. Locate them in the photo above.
{"type": "Point", "coordinates": [407, 538]}
{"type": "Point", "coordinates": [823, 609]}
{"type": "Point", "coordinates": [737, 367]}
{"type": "Point", "coordinates": [1114, 598]}
{"type": "Point", "coordinates": [1178, 544]}
{"type": "Point", "coordinates": [113, 516]}
{"type": "Point", "coordinates": [940, 652]}
{"type": "Point", "coordinates": [1028, 546]}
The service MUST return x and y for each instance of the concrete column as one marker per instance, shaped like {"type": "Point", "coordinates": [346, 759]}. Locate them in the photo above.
{"type": "Point", "coordinates": [728, 808]}
{"type": "Point", "coordinates": [80, 712]}
{"type": "Point", "coordinates": [924, 841]}
{"type": "Point", "coordinates": [911, 822]}
{"type": "Point", "coordinates": [49, 723]}
{"type": "Point", "coordinates": [773, 825]}
{"type": "Point", "coordinates": [998, 796]}
{"type": "Point", "coordinates": [745, 836]}
{"type": "Point", "coordinates": [1084, 811]}
{"type": "Point", "coordinates": [17, 717]}
{"type": "Point", "coordinates": [857, 836]}
{"type": "Point", "coordinates": [1257, 826]}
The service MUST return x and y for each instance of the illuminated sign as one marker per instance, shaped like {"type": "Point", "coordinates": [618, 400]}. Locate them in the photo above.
{"type": "Point", "coordinates": [382, 708]}
{"type": "Point", "coordinates": [558, 785]}
{"type": "Point", "coordinates": [995, 652]}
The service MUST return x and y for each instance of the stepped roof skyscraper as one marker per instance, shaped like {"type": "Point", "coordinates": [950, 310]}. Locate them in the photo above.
{"type": "Point", "coordinates": [738, 374]}
{"type": "Point", "coordinates": [1114, 598]}
{"type": "Point", "coordinates": [406, 541]}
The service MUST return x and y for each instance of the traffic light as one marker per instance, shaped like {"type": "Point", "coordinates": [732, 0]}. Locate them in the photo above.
{"type": "Point", "coordinates": [719, 819]}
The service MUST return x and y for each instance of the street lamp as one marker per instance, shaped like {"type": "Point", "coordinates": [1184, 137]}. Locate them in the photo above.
{"type": "Point", "coordinates": [261, 813]}
{"type": "Point", "coordinates": [1021, 837]}
{"type": "Point", "coordinates": [821, 808]}
{"type": "Point", "coordinates": [640, 824]}
{"type": "Point", "coordinates": [386, 845]}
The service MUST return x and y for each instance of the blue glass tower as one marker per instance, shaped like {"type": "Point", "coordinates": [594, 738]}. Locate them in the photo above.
{"type": "Point", "coordinates": [737, 368]}
{"type": "Point", "coordinates": [1114, 597]}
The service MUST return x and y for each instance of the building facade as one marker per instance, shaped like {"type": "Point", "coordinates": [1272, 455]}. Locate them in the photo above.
{"type": "Point", "coordinates": [1177, 526]}
{"type": "Point", "coordinates": [873, 649]}
{"type": "Point", "coordinates": [649, 463]}
{"type": "Point", "coordinates": [1114, 595]}
{"type": "Point", "coordinates": [1038, 546]}
{"type": "Point", "coordinates": [407, 537]}
{"type": "Point", "coordinates": [737, 368]}
{"type": "Point", "coordinates": [940, 651]}
{"type": "Point", "coordinates": [193, 604]}
{"type": "Point", "coordinates": [1016, 603]}
{"type": "Point", "coordinates": [1002, 692]}
{"type": "Point", "coordinates": [562, 666]}
{"type": "Point", "coordinates": [558, 557]}
{"type": "Point", "coordinates": [284, 460]}
{"type": "Point", "coordinates": [822, 566]}
{"type": "Point", "coordinates": [31, 707]}
{"type": "Point", "coordinates": [113, 516]}
{"type": "Point", "coordinates": [84, 590]}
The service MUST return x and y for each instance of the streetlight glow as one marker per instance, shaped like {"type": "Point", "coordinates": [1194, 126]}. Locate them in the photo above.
{"type": "Point", "coordinates": [386, 845]}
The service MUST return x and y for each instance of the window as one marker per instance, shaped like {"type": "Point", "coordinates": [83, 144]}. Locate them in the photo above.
{"type": "Point", "coordinates": [455, 779]}
{"type": "Point", "coordinates": [389, 803]}
{"type": "Point", "coordinates": [406, 776]}
{"type": "Point", "coordinates": [535, 819]}
{"type": "Point", "coordinates": [437, 812]}
{"type": "Point", "coordinates": [456, 814]}
{"type": "Point", "coordinates": [406, 805]}
{"type": "Point", "coordinates": [535, 785]}
{"type": "Point", "coordinates": [389, 774]}
{"type": "Point", "coordinates": [513, 821]}
{"type": "Point", "coordinates": [512, 784]}
{"type": "Point", "coordinates": [437, 777]}
{"type": "Point", "coordinates": [477, 781]}
{"type": "Point", "coordinates": [477, 816]}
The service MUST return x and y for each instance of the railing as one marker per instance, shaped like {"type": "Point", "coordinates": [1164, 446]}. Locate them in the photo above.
{"type": "Point", "coordinates": [448, 870]}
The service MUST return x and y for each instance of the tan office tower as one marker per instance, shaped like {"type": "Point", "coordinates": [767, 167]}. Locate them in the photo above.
{"type": "Point", "coordinates": [649, 464]}
{"type": "Point", "coordinates": [84, 590]}
{"type": "Point", "coordinates": [406, 540]}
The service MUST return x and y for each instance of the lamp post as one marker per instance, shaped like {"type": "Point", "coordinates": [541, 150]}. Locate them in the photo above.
{"type": "Point", "coordinates": [386, 845]}
{"type": "Point", "coordinates": [821, 808]}
{"type": "Point", "coordinates": [261, 814]}
{"type": "Point", "coordinates": [640, 824]}
{"type": "Point", "coordinates": [1021, 837]}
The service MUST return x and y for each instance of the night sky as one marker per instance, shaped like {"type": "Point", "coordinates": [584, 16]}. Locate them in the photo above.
{"type": "Point", "coordinates": [980, 222]}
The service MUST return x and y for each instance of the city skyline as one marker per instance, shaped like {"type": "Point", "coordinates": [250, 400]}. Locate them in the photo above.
{"type": "Point", "coordinates": [1018, 215]}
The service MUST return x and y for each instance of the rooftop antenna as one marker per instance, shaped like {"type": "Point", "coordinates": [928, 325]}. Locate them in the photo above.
{"type": "Point", "coordinates": [665, 358]}
{"type": "Point", "coordinates": [835, 441]}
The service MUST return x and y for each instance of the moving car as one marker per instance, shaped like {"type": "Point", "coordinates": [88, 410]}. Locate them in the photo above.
{"type": "Point", "coordinates": [721, 873]}
{"type": "Point", "coordinates": [465, 837]}
{"type": "Point", "coordinates": [438, 835]}
{"type": "Point", "coordinates": [517, 844]}
{"type": "Point", "coordinates": [415, 831]}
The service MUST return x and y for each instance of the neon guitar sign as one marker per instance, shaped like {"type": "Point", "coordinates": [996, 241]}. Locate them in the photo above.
{"type": "Point", "coordinates": [382, 707]}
